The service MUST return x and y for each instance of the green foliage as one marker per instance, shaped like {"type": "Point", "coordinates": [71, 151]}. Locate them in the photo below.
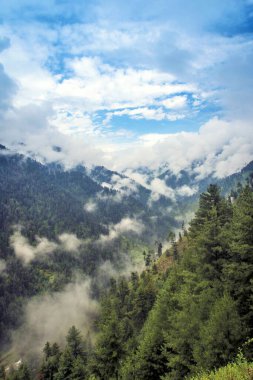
{"type": "Point", "coordinates": [200, 308]}
{"type": "Point", "coordinates": [240, 370]}
{"type": "Point", "coordinates": [124, 310]}
{"type": "Point", "coordinates": [22, 373]}
{"type": "Point", "coordinates": [220, 335]}
{"type": "Point", "coordinates": [69, 364]}
{"type": "Point", "coordinates": [46, 201]}
{"type": "Point", "coordinates": [172, 326]}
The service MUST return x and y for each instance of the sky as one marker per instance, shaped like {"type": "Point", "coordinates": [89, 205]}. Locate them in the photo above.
{"type": "Point", "coordinates": [129, 84]}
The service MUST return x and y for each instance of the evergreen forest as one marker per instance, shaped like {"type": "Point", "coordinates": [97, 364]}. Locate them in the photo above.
{"type": "Point", "coordinates": [188, 313]}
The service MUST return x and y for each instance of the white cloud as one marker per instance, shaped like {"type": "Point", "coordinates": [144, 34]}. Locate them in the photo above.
{"type": "Point", "coordinates": [99, 86]}
{"type": "Point", "coordinates": [221, 147]}
{"type": "Point", "coordinates": [124, 226]}
{"type": "Point", "coordinates": [49, 317]}
{"type": "Point", "coordinates": [27, 252]}
{"type": "Point", "coordinates": [148, 114]}
{"type": "Point", "coordinates": [90, 206]}
{"type": "Point", "coordinates": [159, 187]}
{"type": "Point", "coordinates": [157, 71]}
{"type": "Point", "coordinates": [175, 102]}
{"type": "Point", "coordinates": [91, 85]}
{"type": "Point", "coordinates": [142, 179]}
{"type": "Point", "coordinates": [69, 242]}
{"type": "Point", "coordinates": [111, 197]}
{"type": "Point", "coordinates": [186, 191]}
{"type": "Point", "coordinates": [107, 185]}
{"type": "Point", "coordinates": [125, 185]}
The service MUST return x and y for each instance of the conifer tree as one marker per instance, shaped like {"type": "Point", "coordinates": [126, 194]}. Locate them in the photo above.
{"type": "Point", "coordinates": [220, 335]}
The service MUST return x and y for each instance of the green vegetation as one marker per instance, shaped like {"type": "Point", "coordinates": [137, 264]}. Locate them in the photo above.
{"type": "Point", "coordinates": [179, 323]}
{"type": "Point", "coordinates": [241, 370]}
{"type": "Point", "coordinates": [187, 314]}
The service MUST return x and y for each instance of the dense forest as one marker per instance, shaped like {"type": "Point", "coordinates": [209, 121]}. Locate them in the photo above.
{"type": "Point", "coordinates": [187, 313]}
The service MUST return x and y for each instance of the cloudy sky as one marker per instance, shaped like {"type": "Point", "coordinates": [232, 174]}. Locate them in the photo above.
{"type": "Point", "coordinates": [129, 83]}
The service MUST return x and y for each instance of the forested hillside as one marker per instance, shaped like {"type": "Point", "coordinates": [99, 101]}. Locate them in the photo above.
{"type": "Point", "coordinates": [177, 320]}
{"type": "Point", "coordinates": [53, 225]}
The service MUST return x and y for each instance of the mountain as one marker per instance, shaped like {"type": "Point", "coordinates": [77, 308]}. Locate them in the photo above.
{"type": "Point", "coordinates": [55, 223]}
{"type": "Point", "coordinates": [194, 298]}
{"type": "Point", "coordinates": [188, 185]}
{"type": "Point", "coordinates": [48, 200]}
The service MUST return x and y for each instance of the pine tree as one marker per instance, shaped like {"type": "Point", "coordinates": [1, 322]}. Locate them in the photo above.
{"type": "Point", "coordinates": [50, 362]}
{"type": "Point", "coordinates": [66, 364]}
{"type": "Point", "coordinates": [220, 335]}
{"type": "Point", "coordinates": [239, 268]}
{"type": "Point", "coordinates": [22, 373]}
{"type": "Point", "coordinates": [2, 373]}
{"type": "Point", "coordinates": [75, 342]}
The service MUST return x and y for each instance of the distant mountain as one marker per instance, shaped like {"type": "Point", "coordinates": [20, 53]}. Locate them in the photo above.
{"type": "Point", "coordinates": [190, 179]}
{"type": "Point", "coordinates": [48, 200]}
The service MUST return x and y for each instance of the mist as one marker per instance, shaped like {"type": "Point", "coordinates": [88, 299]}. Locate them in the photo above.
{"type": "Point", "coordinates": [28, 252]}
{"type": "Point", "coordinates": [124, 226]}
{"type": "Point", "coordinates": [49, 317]}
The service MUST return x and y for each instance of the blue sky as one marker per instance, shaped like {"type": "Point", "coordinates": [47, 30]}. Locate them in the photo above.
{"type": "Point", "coordinates": [165, 80]}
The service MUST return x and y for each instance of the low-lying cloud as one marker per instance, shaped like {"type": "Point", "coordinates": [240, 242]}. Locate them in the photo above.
{"type": "Point", "coordinates": [126, 225]}
{"type": "Point", "coordinates": [28, 252]}
{"type": "Point", "coordinates": [90, 206]}
{"type": "Point", "coordinates": [48, 318]}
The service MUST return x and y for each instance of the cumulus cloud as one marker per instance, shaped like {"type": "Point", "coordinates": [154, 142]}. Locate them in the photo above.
{"type": "Point", "coordinates": [220, 148]}
{"type": "Point", "coordinates": [150, 68]}
{"type": "Point", "coordinates": [175, 102]}
{"type": "Point", "coordinates": [28, 252]}
{"type": "Point", "coordinates": [101, 86]}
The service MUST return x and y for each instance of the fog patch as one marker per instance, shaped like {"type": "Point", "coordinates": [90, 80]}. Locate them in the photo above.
{"type": "Point", "coordinates": [69, 242]}
{"type": "Point", "coordinates": [140, 178]}
{"type": "Point", "coordinates": [48, 318]}
{"type": "Point", "coordinates": [90, 206]}
{"type": "Point", "coordinates": [116, 197]}
{"type": "Point", "coordinates": [187, 191]}
{"type": "Point", "coordinates": [28, 252]}
{"type": "Point", "coordinates": [125, 185]}
{"type": "Point", "coordinates": [108, 270]}
{"type": "Point", "coordinates": [124, 226]}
